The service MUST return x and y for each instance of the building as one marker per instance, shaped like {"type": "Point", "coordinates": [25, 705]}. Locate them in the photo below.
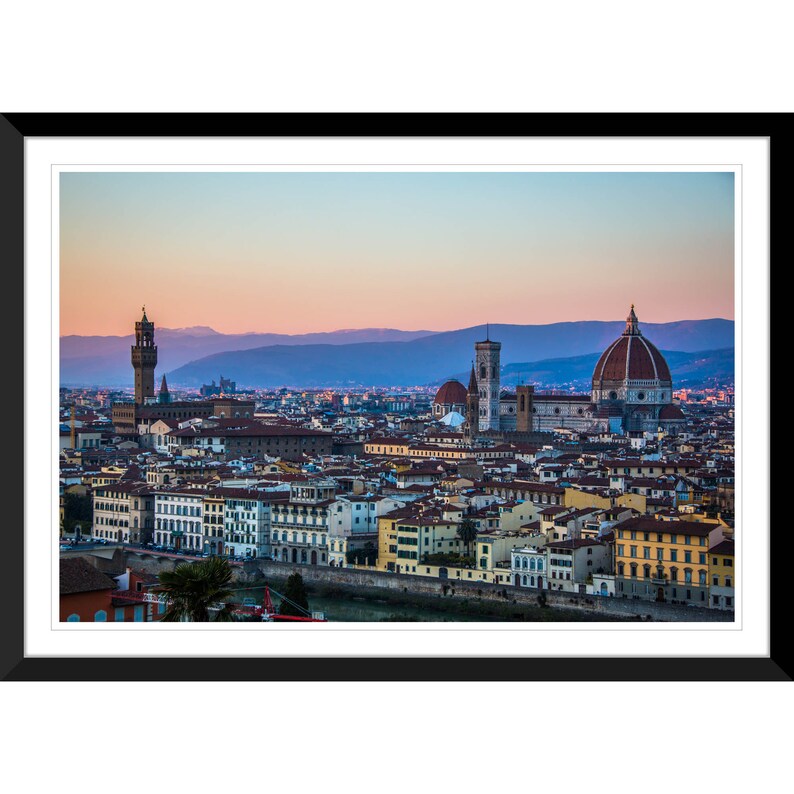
{"type": "Point", "coordinates": [632, 392]}
{"type": "Point", "coordinates": [144, 360]}
{"type": "Point", "coordinates": [123, 511]}
{"type": "Point", "coordinates": [85, 592]}
{"type": "Point", "coordinates": [146, 407]}
{"type": "Point", "coordinates": [178, 518]}
{"type": "Point", "coordinates": [657, 560]}
{"type": "Point", "coordinates": [226, 386]}
{"type": "Point", "coordinates": [164, 397]}
{"type": "Point", "coordinates": [450, 398]}
{"type": "Point", "coordinates": [722, 573]}
{"type": "Point", "coordinates": [248, 521]}
{"type": "Point", "coordinates": [488, 368]}
{"type": "Point", "coordinates": [573, 563]}
{"type": "Point", "coordinates": [300, 527]}
{"type": "Point", "coordinates": [407, 535]}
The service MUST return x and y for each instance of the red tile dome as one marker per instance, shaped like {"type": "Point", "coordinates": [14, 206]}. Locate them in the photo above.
{"type": "Point", "coordinates": [631, 357]}
{"type": "Point", "coordinates": [670, 412]}
{"type": "Point", "coordinates": [453, 392]}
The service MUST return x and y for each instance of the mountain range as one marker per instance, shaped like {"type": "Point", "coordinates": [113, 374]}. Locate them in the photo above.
{"type": "Point", "coordinates": [386, 357]}
{"type": "Point", "coordinates": [106, 359]}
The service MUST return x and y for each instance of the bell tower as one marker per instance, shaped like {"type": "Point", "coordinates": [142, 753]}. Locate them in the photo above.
{"type": "Point", "coordinates": [487, 355]}
{"type": "Point", "coordinates": [144, 360]}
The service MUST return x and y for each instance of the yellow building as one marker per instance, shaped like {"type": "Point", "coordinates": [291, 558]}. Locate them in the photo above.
{"type": "Point", "coordinates": [722, 575]}
{"type": "Point", "coordinates": [387, 446]}
{"type": "Point", "coordinates": [664, 560]}
{"type": "Point", "coordinates": [212, 512]}
{"type": "Point", "coordinates": [406, 535]}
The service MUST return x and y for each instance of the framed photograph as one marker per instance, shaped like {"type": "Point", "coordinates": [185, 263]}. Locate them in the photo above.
{"type": "Point", "coordinates": [387, 392]}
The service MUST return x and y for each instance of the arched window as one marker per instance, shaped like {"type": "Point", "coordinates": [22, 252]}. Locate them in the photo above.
{"type": "Point", "coordinates": [540, 565]}
{"type": "Point", "coordinates": [522, 406]}
{"type": "Point", "coordinates": [524, 563]}
{"type": "Point", "coordinates": [73, 618]}
{"type": "Point", "coordinates": [621, 569]}
{"type": "Point", "coordinates": [646, 571]}
{"type": "Point", "coordinates": [482, 371]}
{"type": "Point", "coordinates": [674, 574]}
{"type": "Point", "coordinates": [531, 563]}
{"type": "Point", "coordinates": [283, 537]}
{"type": "Point", "coordinates": [702, 577]}
{"type": "Point", "coordinates": [100, 616]}
{"type": "Point", "coordinates": [688, 575]}
{"type": "Point", "coordinates": [634, 570]}
{"type": "Point", "coordinates": [525, 581]}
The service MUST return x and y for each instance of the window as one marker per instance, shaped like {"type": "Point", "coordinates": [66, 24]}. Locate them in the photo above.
{"type": "Point", "coordinates": [715, 581]}
{"type": "Point", "coordinates": [633, 551]}
{"type": "Point", "coordinates": [727, 562]}
{"type": "Point", "coordinates": [660, 554]}
{"type": "Point", "coordinates": [687, 556]}
{"type": "Point", "coordinates": [646, 552]}
{"type": "Point", "coordinates": [673, 555]}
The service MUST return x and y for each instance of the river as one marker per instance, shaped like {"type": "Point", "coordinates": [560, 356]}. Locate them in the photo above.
{"type": "Point", "coordinates": [355, 609]}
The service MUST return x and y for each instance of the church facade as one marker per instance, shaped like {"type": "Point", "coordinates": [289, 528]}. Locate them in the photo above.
{"type": "Point", "coordinates": [632, 392]}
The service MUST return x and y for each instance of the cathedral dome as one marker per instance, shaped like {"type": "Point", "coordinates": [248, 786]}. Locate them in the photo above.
{"type": "Point", "coordinates": [671, 413]}
{"type": "Point", "coordinates": [453, 392]}
{"type": "Point", "coordinates": [631, 357]}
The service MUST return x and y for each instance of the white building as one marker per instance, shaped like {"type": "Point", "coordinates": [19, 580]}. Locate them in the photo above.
{"type": "Point", "coordinates": [528, 567]}
{"type": "Point", "coordinates": [178, 518]}
{"type": "Point", "coordinates": [247, 518]}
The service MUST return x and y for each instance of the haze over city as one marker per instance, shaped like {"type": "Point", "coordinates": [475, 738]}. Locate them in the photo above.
{"type": "Point", "coordinates": [308, 252]}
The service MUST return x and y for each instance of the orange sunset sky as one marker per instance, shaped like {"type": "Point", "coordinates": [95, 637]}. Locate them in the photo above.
{"type": "Point", "coordinates": [305, 252]}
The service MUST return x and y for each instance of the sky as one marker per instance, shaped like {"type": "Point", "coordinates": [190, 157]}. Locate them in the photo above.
{"type": "Point", "coordinates": [307, 252]}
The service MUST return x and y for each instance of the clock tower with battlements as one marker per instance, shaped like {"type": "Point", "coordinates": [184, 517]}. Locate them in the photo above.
{"type": "Point", "coordinates": [144, 360]}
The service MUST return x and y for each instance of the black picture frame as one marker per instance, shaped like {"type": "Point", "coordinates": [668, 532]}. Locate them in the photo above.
{"type": "Point", "coordinates": [16, 127]}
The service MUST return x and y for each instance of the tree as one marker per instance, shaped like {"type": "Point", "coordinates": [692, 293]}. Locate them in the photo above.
{"type": "Point", "coordinates": [467, 532]}
{"type": "Point", "coordinates": [192, 588]}
{"type": "Point", "coordinates": [295, 591]}
{"type": "Point", "coordinates": [77, 509]}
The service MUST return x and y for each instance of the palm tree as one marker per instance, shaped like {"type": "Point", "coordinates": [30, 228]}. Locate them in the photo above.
{"type": "Point", "coordinates": [467, 532]}
{"type": "Point", "coordinates": [193, 588]}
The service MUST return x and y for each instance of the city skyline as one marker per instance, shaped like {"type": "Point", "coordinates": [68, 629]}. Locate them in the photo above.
{"type": "Point", "coordinates": [414, 251]}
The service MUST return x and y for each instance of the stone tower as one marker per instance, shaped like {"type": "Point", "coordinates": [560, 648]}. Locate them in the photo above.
{"type": "Point", "coordinates": [144, 360]}
{"type": "Point", "coordinates": [488, 378]}
{"type": "Point", "coordinates": [472, 408]}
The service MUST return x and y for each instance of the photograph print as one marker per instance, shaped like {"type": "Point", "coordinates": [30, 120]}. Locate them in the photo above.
{"type": "Point", "coordinates": [396, 396]}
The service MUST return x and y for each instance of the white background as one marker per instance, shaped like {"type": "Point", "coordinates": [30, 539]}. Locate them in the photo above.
{"type": "Point", "coordinates": [442, 56]}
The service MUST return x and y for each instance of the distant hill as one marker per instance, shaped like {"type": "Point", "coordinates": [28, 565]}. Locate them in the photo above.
{"type": "Point", "coordinates": [428, 358]}
{"type": "Point", "coordinates": [106, 359]}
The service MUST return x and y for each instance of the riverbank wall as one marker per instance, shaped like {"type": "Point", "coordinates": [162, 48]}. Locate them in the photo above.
{"type": "Point", "coordinates": [375, 583]}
